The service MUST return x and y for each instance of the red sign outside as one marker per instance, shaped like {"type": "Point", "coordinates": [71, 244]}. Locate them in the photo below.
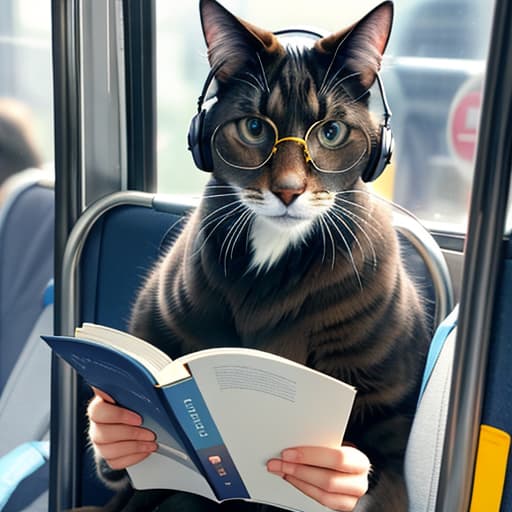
{"type": "Point", "coordinates": [464, 120]}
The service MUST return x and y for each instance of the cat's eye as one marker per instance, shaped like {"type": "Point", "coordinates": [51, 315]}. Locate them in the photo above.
{"type": "Point", "coordinates": [246, 142]}
{"type": "Point", "coordinates": [252, 130]}
{"type": "Point", "coordinates": [329, 145]}
{"type": "Point", "coordinates": [333, 134]}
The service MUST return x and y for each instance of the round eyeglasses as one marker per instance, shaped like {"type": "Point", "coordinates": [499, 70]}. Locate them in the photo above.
{"type": "Point", "coordinates": [329, 145]}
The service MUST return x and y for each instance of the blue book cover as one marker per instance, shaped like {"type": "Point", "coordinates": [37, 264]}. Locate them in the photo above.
{"type": "Point", "coordinates": [195, 418]}
{"type": "Point", "coordinates": [177, 408]}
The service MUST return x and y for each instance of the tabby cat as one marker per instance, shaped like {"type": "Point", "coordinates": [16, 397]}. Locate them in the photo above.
{"type": "Point", "coordinates": [288, 252]}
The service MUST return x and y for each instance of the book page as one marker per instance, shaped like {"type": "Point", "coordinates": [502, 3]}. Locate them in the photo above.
{"type": "Point", "coordinates": [263, 405]}
{"type": "Point", "coordinates": [169, 467]}
{"type": "Point", "coordinates": [156, 361]}
{"type": "Point", "coordinates": [159, 471]}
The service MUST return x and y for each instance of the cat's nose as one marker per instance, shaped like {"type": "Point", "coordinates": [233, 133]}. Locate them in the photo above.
{"type": "Point", "coordinates": [288, 195]}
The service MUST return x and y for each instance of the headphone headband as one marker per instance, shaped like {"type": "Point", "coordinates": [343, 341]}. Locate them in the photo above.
{"type": "Point", "coordinates": [199, 142]}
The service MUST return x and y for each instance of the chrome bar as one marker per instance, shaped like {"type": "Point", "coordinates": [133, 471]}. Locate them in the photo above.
{"type": "Point", "coordinates": [64, 441]}
{"type": "Point", "coordinates": [481, 269]}
{"type": "Point", "coordinates": [433, 258]}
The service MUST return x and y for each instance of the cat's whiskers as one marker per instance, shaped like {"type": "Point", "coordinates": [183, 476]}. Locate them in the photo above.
{"type": "Point", "coordinates": [210, 190]}
{"type": "Point", "coordinates": [333, 244]}
{"type": "Point", "coordinates": [349, 229]}
{"type": "Point", "coordinates": [208, 186]}
{"type": "Point", "coordinates": [360, 222]}
{"type": "Point", "coordinates": [224, 248]}
{"type": "Point", "coordinates": [263, 73]}
{"type": "Point", "coordinates": [239, 79]}
{"type": "Point", "coordinates": [339, 214]}
{"type": "Point", "coordinates": [225, 243]}
{"type": "Point", "coordinates": [332, 86]}
{"type": "Point", "coordinates": [220, 218]}
{"type": "Point", "coordinates": [219, 221]}
{"type": "Point", "coordinates": [249, 229]}
{"type": "Point", "coordinates": [221, 195]}
{"type": "Point", "coordinates": [328, 71]}
{"type": "Point", "coordinates": [217, 210]}
{"type": "Point", "coordinates": [324, 251]}
{"type": "Point", "coordinates": [380, 198]}
{"type": "Point", "coordinates": [362, 95]}
{"type": "Point", "coordinates": [218, 189]}
{"type": "Point", "coordinates": [364, 220]}
{"type": "Point", "coordinates": [256, 79]}
{"type": "Point", "coordinates": [363, 207]}
{"type": "Point", "coordinates": [366, 208]}
{"type": "Point", "coordinates": [347, 247]}
{"type": "Point", "coordinates": [248, 216]}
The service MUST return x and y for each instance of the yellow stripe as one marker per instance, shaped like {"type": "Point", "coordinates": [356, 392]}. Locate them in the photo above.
{"type": "Point", "coordinates": [385, 184]}
{"type": "Point", "coordinates": [490, 469]}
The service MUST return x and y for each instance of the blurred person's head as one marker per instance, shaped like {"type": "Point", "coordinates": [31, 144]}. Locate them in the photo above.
{"type": "Point", "coordinates": [18, 149]}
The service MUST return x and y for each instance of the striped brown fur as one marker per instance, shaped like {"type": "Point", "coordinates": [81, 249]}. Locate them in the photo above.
{"type": "Point", "coordinates": [337, 297]}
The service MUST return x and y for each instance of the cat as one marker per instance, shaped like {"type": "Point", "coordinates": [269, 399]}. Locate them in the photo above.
{"type": "Point", "coordinates": [288, 251]}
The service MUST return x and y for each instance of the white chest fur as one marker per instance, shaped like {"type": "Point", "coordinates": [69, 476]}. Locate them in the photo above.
{"type": "Point", "coordinates": [271, 238]}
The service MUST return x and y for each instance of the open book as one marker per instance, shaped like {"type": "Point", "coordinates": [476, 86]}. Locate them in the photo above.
{"type": "Point", "coordinates": [219, 414]}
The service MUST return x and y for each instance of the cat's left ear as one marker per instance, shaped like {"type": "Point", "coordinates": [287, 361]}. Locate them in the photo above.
{"type": "Point", "coordinates": [359, 49]}
{"type": "Point", "coordinates": [234, 44]}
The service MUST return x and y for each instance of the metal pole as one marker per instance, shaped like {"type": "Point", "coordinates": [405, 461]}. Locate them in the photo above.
{"type": "Point", "coordinates": [481, 267]}
{"type": "Point", "coordinates": [68, 200]}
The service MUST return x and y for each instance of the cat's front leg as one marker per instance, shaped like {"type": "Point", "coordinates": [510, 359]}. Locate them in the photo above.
{"type": "Point", "coordinates": [389, 494]}
{"type": "Point", "coordinates": [384, 441]}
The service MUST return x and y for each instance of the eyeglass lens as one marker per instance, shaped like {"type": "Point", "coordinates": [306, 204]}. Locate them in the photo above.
{"type": "Point", "coordinates": [249, 142]}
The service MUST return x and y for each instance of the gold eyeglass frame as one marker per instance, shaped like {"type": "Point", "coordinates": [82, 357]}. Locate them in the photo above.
{"type": "Point", "coordinates": [298, 140]}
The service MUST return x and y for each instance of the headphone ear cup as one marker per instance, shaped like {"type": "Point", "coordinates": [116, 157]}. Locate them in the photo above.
{"type": "Point", "coordinates": [197, 144]}
{"type": "Point", "coordinates": [382, 157]}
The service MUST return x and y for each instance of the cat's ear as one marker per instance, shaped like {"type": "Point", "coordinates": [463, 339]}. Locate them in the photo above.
{"type": "Point", "coordinates": [233, 43]}
{"type": "Point", "coordinates": [359, 49]}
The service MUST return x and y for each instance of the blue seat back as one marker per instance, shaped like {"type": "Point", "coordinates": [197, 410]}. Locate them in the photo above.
{"type": "Point", "coordinates": [123, 244]}
{"type": "Point", "coordinates": [26, 266]}
{"type": "Point", "coordinates": [25, 421]}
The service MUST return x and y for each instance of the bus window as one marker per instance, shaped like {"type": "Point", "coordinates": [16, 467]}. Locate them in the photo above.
{"type": "Point", "coordinates": [26, 237]}
{"type": "Point", "coordinates": [26, 63]}
{"type": "Point", "coordinates": [433, 74]}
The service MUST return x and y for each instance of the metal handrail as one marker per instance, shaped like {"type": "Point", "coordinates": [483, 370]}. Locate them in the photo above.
{"type": "Point", "coordinates": [64, 440]}
{"type": "Point", "coordinates": [433, 257]}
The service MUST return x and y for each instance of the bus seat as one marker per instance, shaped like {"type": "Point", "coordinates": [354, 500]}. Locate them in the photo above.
{"type": "Point", "coordinates": [25, 420]}
{"type": "Point", "coordinates": [25, 398]}
{"type": "Point", "coordinates": [24, 477]}
{"type": "Point", "coordinates": [426, 441]}
{"type": "Point", "coordinates": [426, 265]}
{"type": "Point", "coordinates": [26, 261]}
{"type": "Point", "coordinates": [120, 241]}
{"type": "Point", "coordinates": [26, 266]}
{"type": "Point", "coordinates": [118, 251]}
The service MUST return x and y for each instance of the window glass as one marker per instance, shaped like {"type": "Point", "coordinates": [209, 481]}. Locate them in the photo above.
{"type": "Point", "coordinates": [432, 72]}
{"type": "Point", "coordinates": [26, 65]}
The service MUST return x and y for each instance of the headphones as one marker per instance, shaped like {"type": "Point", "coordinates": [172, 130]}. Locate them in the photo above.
{"type": "Point", "coordinates": [199, 140]}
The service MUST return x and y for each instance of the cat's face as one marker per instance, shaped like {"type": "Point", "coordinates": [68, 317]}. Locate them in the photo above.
{"type": "Point", "coordinates": [324, 142]}
{"type": "Point", "coordinates": [291, 127]}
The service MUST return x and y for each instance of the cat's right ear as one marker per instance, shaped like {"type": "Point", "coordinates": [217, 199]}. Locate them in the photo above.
{"type": "Point", "coordinates": [234, 44]}
{"type": "Point", "coordinates": [359, 48]}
